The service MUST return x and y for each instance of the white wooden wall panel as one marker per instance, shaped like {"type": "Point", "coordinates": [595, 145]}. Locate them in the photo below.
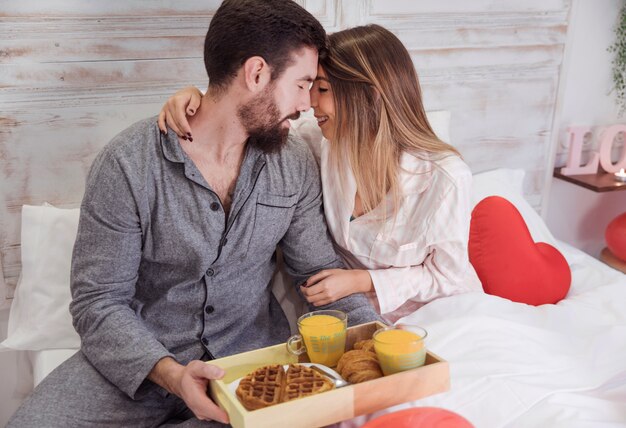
{"type": "Point", "coordinates": [485, 7]}
{"type": "Point", "coordinates": [75, 73]}
{"type": "Point", "coordinates": [103, 9]}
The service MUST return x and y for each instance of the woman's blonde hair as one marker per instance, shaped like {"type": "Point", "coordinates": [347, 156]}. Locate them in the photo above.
{"type": "Point", "coordinates": [378, 111]}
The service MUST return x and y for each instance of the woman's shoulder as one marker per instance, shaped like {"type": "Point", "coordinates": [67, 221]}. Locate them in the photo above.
{"type": "Point", "coordinates": [422, 172]}
{"type": "Point", "coordinates": [453, 168]}
{"type": "Point", "coordinates": [444, 163]}
{"type": "Point", "coordinates": [452, 175]}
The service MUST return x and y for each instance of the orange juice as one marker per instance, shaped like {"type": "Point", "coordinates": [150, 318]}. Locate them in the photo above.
{"type": "Point", "coordinates": [399, 350]}
{"type": "Point", "coordinates": [324, 338]}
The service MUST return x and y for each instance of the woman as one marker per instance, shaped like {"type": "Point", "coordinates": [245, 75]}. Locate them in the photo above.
{"type": "Point", "coordinates": [396, 197]}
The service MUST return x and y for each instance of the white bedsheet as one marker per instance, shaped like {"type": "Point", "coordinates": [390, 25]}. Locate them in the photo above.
{"type": "Point", "coordinates": [514, 365]}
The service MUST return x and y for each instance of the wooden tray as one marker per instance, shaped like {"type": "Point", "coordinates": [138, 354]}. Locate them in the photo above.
{"type": "Point", "coordinates": [332, 406]}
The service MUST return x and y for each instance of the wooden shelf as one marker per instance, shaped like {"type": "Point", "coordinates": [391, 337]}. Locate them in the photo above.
{"type": "Point", "coordinates": [609, 258]}
{"type": "Point", "coordinates": [599, 182]}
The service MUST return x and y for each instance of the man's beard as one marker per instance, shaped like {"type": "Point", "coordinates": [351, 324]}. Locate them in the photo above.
{"type": "Point", "coordinates": [262, 121]}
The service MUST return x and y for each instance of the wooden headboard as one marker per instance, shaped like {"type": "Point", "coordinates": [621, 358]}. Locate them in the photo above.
{"type": "Point", "coordinates": [73, 74]}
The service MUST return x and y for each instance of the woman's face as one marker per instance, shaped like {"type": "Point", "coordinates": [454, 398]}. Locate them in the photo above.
{"type": "Point", "coordinates": [323, 104]}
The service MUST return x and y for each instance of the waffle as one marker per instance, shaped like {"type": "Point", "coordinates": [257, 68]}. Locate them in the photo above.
{"type": "Point", "coordinates": [301, 382]}
{"type": "Point", "coordinates": [270, 385]}
{"type": "Point", "coordinates": [261, 388]}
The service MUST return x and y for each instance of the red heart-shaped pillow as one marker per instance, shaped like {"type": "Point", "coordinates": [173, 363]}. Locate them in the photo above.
{"type": "Point", "coordinates": [507, 260]}
{"type": "Point", "coordinates": [615, 236]}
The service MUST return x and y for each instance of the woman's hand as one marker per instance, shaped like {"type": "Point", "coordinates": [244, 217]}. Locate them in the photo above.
{"type": "Point", "coordinates": [330, 285]}
{"type": "Point", "coordinates": [176, 109]}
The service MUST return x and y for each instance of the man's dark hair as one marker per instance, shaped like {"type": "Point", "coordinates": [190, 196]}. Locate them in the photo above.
{"type": "Point", "coordinates": [271, 29]}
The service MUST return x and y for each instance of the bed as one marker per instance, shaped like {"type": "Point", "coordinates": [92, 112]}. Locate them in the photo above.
{"type": "Point", "coordinates": [511, 364]}
{"type": "Point", "coordinates": [514, 365]}
{"type": "Point", "coordinates": [495, 65]}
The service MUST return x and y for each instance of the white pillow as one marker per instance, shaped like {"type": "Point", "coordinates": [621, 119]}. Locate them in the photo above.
{"type": "Point", "coordinates": [39, 317]}
{"type": "Point", "coordinates": [508, 183]}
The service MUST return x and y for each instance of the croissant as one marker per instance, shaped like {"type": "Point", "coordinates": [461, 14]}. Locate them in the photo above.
{"type": "Point", "coordinates": [365, 345]}
{"type": "Point", "coordinates": [358, 366]}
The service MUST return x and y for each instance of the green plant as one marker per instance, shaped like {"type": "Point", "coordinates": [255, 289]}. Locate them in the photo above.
{"type": "Point", "coordinates": [619, 62]}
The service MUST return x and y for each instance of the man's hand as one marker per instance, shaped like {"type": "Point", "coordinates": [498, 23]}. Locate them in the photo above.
{"type": "Point", "coordinates": [330, 285]}
{"type": "Point", "coordinates": [190, 383]}
{"type": "Point", "coordinates": [176, 109]}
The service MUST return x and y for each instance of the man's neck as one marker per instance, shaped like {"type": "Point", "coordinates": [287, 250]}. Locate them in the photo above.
{"type": "Point", "coordinates": [216, 129]}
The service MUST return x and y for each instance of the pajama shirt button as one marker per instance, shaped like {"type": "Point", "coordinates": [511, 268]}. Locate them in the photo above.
{"type": "Point", "coordinates": [210, 272]}
{"type": "Point", "coordinates": [205, 341]}
{"type": "Point", "coordinates": [209, 309]}
{"type": "Point", "coordinates": [215, 206]}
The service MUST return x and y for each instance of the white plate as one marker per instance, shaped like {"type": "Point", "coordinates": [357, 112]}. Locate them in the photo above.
{"type": "Point", "coordinates": [232, 387]}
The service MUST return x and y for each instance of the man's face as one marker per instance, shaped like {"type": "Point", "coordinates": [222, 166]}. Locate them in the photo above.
{"type": "Point", "coordinates": [266, 117]}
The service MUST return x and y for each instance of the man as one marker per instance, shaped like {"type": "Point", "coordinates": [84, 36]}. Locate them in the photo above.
{"type": "Point", "coordinates": [176, 242]}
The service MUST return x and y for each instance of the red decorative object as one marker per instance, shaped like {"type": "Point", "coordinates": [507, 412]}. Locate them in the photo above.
{"type": "Point", "coordinates": [420, 417]}
{"type": "Point", "coordinates": [507, 260]}
{"type": "Point", "coordinates": [615, 236]}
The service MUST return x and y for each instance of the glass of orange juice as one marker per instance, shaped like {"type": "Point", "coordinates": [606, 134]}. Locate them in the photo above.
{"type": "Point", "coordinates": [323, 334]}
{"type": "Point", "coordinates": [400, 347]}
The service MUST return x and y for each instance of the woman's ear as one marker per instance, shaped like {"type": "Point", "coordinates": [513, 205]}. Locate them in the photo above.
{"type": "Point", "coordinates": [257, 73]}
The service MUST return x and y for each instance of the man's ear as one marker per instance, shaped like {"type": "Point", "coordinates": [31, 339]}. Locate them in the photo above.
{"type": "Point", "coordinates": [256, 73]}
